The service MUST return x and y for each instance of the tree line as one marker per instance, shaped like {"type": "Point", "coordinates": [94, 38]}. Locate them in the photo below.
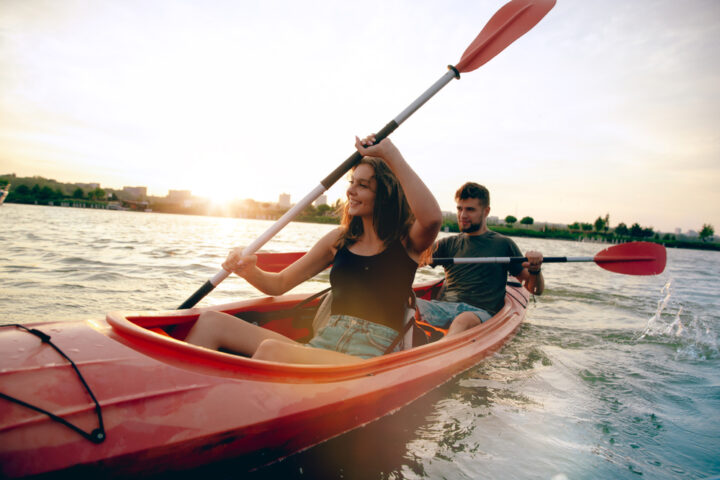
{"type": "Point", "coordinates": [38, 190]}
{"type": "Point", "coordinates": [598, 230]}
{"type": "Point", "coordinates": [601, 225]}
{"type": "Point", "coordinates": [45, 194]}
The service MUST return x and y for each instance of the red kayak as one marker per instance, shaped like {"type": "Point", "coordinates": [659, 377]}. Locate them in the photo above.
{"type": "Point", "coordinates": [144, 401]}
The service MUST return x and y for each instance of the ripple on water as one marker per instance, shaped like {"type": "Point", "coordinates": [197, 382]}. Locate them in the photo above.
{"type": "Point", "coordinates": [16, 268]}
{"type": "Point", "coordinates": [104, 277]}
{"type": "Point", "coordinates": [83, 261]}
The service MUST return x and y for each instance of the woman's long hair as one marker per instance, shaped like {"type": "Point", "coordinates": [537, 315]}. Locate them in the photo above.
{"type": "Point", "coordinates": [392, 217]}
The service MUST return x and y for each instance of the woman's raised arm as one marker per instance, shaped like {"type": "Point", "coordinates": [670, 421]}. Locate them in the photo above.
{"type": "Point", "coordinates": [425, 208]}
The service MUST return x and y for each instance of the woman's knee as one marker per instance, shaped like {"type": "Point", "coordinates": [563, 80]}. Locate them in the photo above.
{"type": "Point", "coordinates": [207, 329]}
{"type": "Point", "coordinates": [211, 320]}
{"type": "Point", "coordinates": [273, 350]}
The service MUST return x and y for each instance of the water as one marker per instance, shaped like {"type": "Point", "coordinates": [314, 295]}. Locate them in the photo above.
{"type": "Point", "coordinates": [611, 376]}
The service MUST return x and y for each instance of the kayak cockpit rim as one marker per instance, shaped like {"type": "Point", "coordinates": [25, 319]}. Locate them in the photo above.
{"type": "Point", "coordinates": [142, 339]}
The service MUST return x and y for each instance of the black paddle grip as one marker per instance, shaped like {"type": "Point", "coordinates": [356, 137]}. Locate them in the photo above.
{"type": "Point", "coordinates": [353, 159]}
{"type": "Point", "coordinates": [197, 296]}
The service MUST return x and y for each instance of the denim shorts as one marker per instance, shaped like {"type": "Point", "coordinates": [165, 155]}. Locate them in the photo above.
{"type": "Point", "coordinates": [354, 336]}
{"type": "Point", "coordinates": [441, 314]}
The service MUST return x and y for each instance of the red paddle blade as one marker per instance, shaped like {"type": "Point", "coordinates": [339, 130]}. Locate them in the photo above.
{"type": "Point", "coordinates": [276, 262]}
{"type": "Point", "coordinates": [508, 24]}
{"type": "Point", "coordinates": [633, 258]}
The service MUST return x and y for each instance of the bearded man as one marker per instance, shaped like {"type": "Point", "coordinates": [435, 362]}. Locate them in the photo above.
{"type": "Point", "coordinates": [475, 292]}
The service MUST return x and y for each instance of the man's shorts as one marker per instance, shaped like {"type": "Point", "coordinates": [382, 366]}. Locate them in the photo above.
{"type": "Point", "coordinates": [354, 336]}
{"type": "Point", "coordinates": [441, 314]}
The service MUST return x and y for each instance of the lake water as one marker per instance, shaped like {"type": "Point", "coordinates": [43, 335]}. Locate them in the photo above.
{"type": "Point", "coordinates": [610, 376]}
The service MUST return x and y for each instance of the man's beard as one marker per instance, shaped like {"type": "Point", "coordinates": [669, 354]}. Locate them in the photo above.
{"type": "Point", "coordinates": [472, 228]}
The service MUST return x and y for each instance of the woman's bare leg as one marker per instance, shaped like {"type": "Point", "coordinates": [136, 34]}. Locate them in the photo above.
{"type": "Point", "coordinates": [278, 351]}
{"type": "Point", "coordinates": [219, 330]}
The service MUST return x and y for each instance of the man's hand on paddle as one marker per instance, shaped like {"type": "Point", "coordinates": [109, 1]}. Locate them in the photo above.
{"type": "Point", "coordinates": [534, 262]}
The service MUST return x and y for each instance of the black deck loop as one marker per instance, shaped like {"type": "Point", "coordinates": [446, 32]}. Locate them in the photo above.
{"type": "Point", "coordinates": [96, 436]}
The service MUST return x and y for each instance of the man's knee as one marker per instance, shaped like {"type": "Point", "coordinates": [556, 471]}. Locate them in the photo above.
{"type": "Point", "coordinates": [468, 319]}
{"type": "Point", "coordinates": [464, 321]}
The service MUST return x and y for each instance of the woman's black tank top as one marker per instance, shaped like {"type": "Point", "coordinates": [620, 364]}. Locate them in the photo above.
{"type": "Point", "coordinates": [376, 287]}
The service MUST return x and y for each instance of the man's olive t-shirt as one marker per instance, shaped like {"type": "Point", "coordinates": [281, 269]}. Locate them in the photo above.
{"type": "Point", "coordinates": [481, 285]}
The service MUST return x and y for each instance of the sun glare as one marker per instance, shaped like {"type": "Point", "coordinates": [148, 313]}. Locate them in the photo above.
{"type": "Point", "coordinates": [217, 195]}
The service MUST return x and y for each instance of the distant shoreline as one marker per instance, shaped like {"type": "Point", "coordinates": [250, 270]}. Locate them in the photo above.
{"type": "Point", "coordinates": [601, 238]}
{"type": "Point", "coordinates": [554, 234]}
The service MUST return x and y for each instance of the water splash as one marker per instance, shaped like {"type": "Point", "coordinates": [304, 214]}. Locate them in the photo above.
{"type": "Point", "coordinates": [656, 325]}
{"type": "Point", "coordinates": [692, 335]}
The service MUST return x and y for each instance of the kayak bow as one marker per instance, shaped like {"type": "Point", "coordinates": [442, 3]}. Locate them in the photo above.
{"type": "Point", "coordinates": [168, 405]}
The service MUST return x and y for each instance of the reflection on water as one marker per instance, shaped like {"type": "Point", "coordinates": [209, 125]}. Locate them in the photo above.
{"type": "Point", "coordinates": [611, 376]}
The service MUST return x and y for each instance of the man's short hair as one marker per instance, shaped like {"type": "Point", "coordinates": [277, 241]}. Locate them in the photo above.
{"type": "Point", "coordinates": [473, 190]}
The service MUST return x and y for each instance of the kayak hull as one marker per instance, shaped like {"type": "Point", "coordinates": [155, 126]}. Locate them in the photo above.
{"type": "Point", "coordinates": [167, 405]}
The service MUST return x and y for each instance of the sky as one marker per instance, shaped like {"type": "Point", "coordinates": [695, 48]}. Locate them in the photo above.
{"type": "Point", "coordinates": [605, 107]}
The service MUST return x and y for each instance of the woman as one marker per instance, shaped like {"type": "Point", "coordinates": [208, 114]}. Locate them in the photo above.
{"type": "Point", "coordinates": [389, 220]}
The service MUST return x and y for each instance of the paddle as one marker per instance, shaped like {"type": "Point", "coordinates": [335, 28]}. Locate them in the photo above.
{"type": "Point", "coordinates": [633, 258]}
{"type": "Point", "coordinates": [507, 25]}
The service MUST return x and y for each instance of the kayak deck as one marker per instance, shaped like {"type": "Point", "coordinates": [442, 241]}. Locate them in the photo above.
{"type": "Point", "coordinates": [170, 405]}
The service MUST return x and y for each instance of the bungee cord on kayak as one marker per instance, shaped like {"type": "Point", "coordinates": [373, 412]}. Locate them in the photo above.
{"type": "Point", "coordinates": [97, 435]}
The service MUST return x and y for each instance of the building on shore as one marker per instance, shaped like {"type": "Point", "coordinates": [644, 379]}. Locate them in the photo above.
{"type": "Point", "coordinates": [321, 200]}
{"type": "Point", "coordinates": [135, 193]}
{"type": "Point", "coordinates": [180, 197]}
{"type": "Point", "coordinates": [284, 200]}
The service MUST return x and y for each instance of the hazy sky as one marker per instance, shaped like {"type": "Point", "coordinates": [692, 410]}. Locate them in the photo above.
{"type": "Point", "coordinates": [606, 106]}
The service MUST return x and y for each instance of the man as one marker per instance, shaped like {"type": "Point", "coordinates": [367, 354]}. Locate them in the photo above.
{"type": "Point", "coordinates": [475, 292]}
